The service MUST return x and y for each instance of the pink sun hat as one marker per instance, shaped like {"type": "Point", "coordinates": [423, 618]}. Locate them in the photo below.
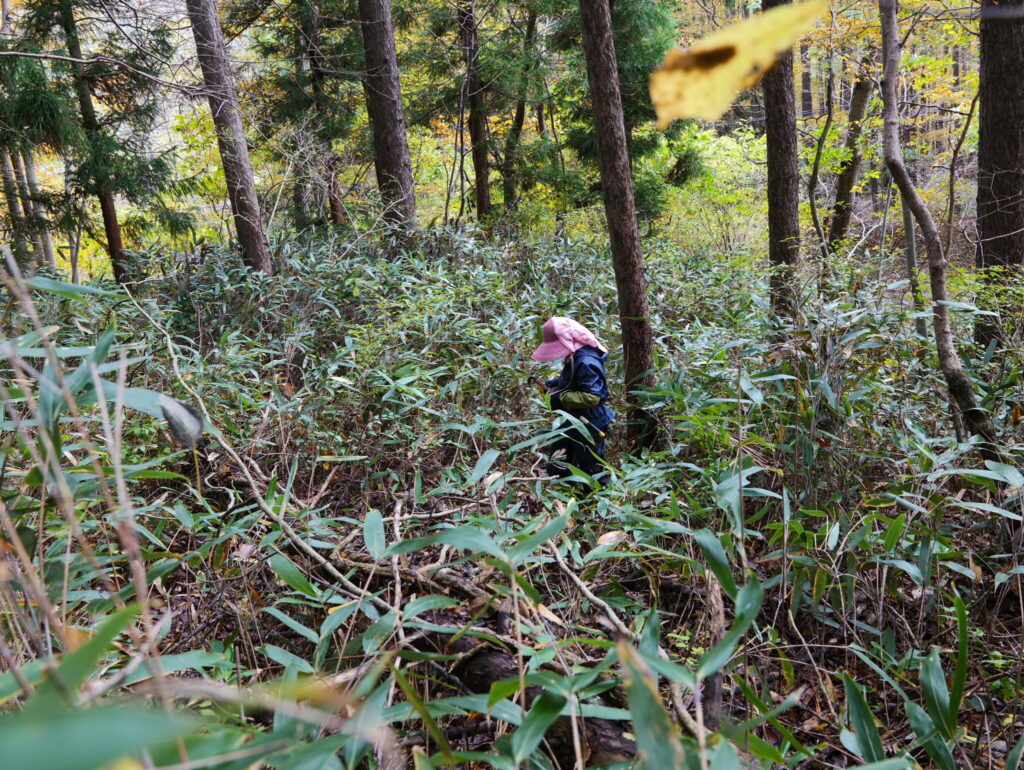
{"type": "Point", "coordinates": [563, 337]}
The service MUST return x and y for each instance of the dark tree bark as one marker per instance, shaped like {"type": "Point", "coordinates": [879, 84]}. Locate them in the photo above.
{"type": "Point", "coordinates": [849, 170]}
{"type": "Point", "coordinates": [227, 119]}
{"type": "Point", "coordinates": [783, 179]}
{"type": "Point", "coordinates": [515, 132]}
{"type": "Point", "coordinates": [960, 387]}
{"type": "Point", "coordinates": [108, 209]}
{"type": "Point", "coordinates": [1000, 147]}
{"type": "Point", "coordinates": [387, 117]}
{"type": "Point", "coordinates": [619, 206]}
{"type": "Point", "coordinates": [477, 108]}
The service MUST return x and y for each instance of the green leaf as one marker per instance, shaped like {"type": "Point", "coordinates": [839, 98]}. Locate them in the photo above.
{"type": "Point", "coordinates": [83, 739]}
{"type": "Point", "coordinates": [1013, 759]}
{"type": "Point", "coordinates": [900, 763]}
{"type": "Point", "coordinates": [717, 560]}
{"type": "Point", "coordinates": [466, 538]}
{"type": "Point", "coordinates": [748, 603]}
{"type": "Point", "coordinates": [69, 290]}
{"type": "Point", "coordinates": [927, 736]}
{"type": "Point", "coordinates": [373, 534]}
{"type": "Point", "coordinates": [936, 694]}
{"type": "Point", "coordinates": [76, 666]}
{"type": "Point", "coordinates": [34, 672]}
{"type": "Point", "coordinates": [318, 755]}
{"type": "Point", "coordinates": [286, 659]}
{"type": "Point", "coordinates": [193, 660]}
{"type": "Point", "coordinates": [483, 465]}
{"type": "Point", "coordinates": [726, 758]}
{"type": "Point", "coordinates": [289, 572]}
{"type": "Point", "coordinates": [657, 740]}
{"type": "Point", "coordinates": [337, 617]}
{"type": "Point", "coordinates": [863, 722]}
{"type": "Point", "coordinates": [293, 624]}
{"type": "Point", "coordinates": [428, 722]}
{"type": "Point", "coordinates": [542, 714]}
{"type": "Point", "coordinates": [145, 401]}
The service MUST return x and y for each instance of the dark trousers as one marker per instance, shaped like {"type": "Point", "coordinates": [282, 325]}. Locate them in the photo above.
{"type": "Point", "coordinates": [583, 452]}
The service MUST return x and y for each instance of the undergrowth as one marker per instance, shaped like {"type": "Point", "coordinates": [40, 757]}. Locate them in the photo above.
{"type": "Point", "coordinates": [362, 565]}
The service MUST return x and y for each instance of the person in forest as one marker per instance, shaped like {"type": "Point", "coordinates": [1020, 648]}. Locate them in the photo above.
{"type": "Point", "coordinates": [581, 390]}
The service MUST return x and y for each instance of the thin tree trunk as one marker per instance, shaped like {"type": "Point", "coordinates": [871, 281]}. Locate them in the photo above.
{"type": "Point", "coordinates": [960, 386]}
{"type": "Point", "coordinates": [227, 120]}
{"type": "Point", "coordinates": [910, 253]}
{"type": "Point", "coordinates": [783, 180]}
{"type": "Point", "coordinates": [806, 92]}
{"type": "Point", "coordinates": [619, 207]}
{"type": "Point", "coordinates": [508, 167]}
{"type": "Point", "coordinates": [477, 108]}
{"type": "Point", "coordinates": [108, 208]}
{"type": "Point", "coordinates": [14, 209]}
{"type": "Point", "coordinates": [1000, 150]}
{"type": "Point", "coordinates": [39, 214]}
{"type": "Point", "coordinates": [27, 206]}
{"type": "Point", "coordinates": [849, 170]}
{"type": "Point", "coordinates": [387, 117]}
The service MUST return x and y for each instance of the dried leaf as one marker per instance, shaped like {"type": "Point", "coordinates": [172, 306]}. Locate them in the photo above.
{"type": "Point", "coordinates": [614, 537]}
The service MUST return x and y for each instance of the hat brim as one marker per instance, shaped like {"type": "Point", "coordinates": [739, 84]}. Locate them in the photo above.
{"type": "Point", "coordinates": [551, 351]}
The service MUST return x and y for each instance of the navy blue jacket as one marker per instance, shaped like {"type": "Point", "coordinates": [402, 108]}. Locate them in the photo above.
{"type": "Point", "coordinates": [584, 370]}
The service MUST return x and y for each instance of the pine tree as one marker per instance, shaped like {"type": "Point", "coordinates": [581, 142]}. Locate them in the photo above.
{"type": "Point", "coordinates": [117, 103]}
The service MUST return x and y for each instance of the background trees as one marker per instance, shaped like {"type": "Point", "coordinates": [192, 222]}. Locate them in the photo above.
{"type": "Point", "coordinates": [117, 104]}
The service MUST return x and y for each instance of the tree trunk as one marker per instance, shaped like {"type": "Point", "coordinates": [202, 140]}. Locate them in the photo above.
{"type": "Point", "coordinates": [108, 209]}
{"type": "Point", "coordinates": [619, 207]}
{"type": "Point", "coordinates": [849, 170]}
{"type": "Point", "coordinates": [227, 120]}
{"type": "Point", "coordinates": [508, 166]}
{"type": "Point", "coordinates": [15, 212]}
{"type": "Point", "coordinates": [1000, 149]}
{"type": "Point", "coordinates": [960, 387]}
{"type": "Point", "coordinates": [806, 92]}
{"type": "Point", "coordinates": [387, 117]}
{"type": "Point", "coordinates": [317, 76]}
{"type": "Point", "coordinates": [27, 206]}
{"type": "Point", "coordinates": [477, 109]}
{"type": "Point", "coordinates": [39, 214]}
{"type": "Point", "coordinates": [783, 179]}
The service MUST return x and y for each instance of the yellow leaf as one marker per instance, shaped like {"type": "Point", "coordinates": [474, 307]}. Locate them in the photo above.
{"type": "Point", "coordinates": [702, 81]}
